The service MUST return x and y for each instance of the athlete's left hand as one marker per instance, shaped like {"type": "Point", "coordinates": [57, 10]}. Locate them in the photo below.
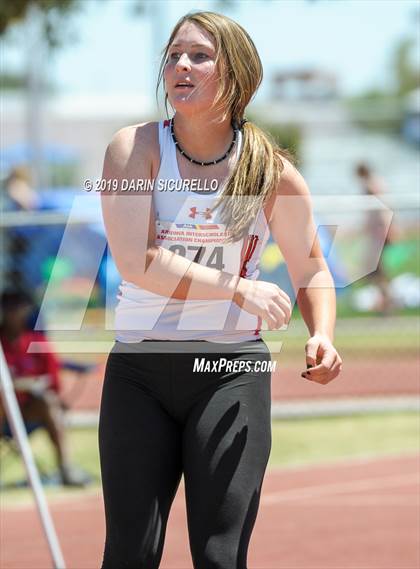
{"type": "Point", "coordinates": [322, 358]}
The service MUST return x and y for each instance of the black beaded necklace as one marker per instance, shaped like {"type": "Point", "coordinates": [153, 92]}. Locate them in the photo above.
{"type": "Point", "coordinates": [212, 162]}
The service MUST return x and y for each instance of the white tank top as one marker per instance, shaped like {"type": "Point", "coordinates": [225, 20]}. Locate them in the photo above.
{"type": "Point", "coordinates": [186, 226]}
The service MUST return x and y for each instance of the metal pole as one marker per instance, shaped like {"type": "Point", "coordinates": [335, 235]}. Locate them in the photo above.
{"type": "Point", "coordinates": [35, 93]}
{"type": "Point", "coordinates": [19, 432]}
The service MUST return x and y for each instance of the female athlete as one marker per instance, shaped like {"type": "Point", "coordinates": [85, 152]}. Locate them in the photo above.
{"type": "Point", "coordinates": [187, 389]}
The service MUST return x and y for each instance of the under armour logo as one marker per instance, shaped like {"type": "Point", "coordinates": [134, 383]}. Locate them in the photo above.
{"type": "Point", "coordinates": [206, 214]}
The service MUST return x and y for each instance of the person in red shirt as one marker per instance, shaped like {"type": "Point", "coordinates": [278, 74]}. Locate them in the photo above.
{"type": "Point", "coordinates": [36, 378]}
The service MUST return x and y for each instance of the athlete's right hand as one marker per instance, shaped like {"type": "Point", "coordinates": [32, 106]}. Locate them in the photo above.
{"type": "Point", "coordinates": [266, 300]}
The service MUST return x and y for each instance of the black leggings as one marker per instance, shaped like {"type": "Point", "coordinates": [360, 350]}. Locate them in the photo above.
{"type": "Point", "coordinates": [159, 420]}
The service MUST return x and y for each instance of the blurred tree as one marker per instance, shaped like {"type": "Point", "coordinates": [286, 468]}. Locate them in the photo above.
{"type": "Point", "coordinates": [16, 82]}
{"type": "Point", "coordinates": [407, 74]}
{"type": "Point", "coordinates": [10, 81]}
{"type": "Point", "coordinates": [383, 108]}
{"type": "Point", "coordinates": [15, 11]}
{"type": "Point", "coordinates": [53, 11]}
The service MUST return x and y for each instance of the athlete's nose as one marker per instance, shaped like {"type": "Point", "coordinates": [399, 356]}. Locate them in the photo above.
{"type": "Point", "coordinates": [183, 62]}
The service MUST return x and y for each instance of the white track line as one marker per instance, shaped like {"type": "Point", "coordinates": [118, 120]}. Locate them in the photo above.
{"type": "Point", "coordinates": [335, 488]}
{"type": "Point", "coordinates": [404, 500]}
{"type": "Point", "coordinates": [366, 458]}
{"type": "Point", "coordinates": [367, 501]}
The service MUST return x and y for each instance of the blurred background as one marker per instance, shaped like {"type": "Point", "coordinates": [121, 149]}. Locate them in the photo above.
{"type": "Point", "coordinates": [341, 90]}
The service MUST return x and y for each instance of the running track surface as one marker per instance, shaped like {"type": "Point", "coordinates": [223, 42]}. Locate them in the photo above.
{"type": "Point", "coordinates": [358, 514]}
{"type": "Point", "coordinates": [367, 377]}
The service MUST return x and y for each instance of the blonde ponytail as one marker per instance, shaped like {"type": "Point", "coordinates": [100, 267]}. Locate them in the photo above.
{"type": "Point", "coordinates": [254, 178]}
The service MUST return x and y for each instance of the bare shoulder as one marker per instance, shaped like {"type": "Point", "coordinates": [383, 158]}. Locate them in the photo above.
{"type": "Point", "coordinates": [134, 144]}
{"type": "Point", "coordinates": [292, 183]}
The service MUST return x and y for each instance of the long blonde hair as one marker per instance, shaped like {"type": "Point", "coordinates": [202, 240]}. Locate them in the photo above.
{"type": "Point", "coordinates": [258, 169]}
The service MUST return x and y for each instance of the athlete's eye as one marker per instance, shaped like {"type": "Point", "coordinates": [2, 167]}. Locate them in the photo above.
{"type": "Point", "coordinates": [200, 55]}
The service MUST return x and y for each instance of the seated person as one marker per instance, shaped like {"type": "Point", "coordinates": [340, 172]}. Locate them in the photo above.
{"type": "Point", "coordinates": [36, 379]}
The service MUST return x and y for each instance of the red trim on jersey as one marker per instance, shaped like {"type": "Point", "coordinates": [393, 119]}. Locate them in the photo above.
{"type": "Point", "coordinates": [252, 244]}
{"type": "Point", "coordinates": [258, 328]}
{"type": "Point", "coordinates": [246, 256]}
{"type": "Point", "coordinates": [166, 123]}
{"type": "Point", "coordinates": [244, 247]}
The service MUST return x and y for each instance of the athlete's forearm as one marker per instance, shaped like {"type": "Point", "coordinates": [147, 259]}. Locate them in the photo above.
{"type": "Point", "coordinates": [317, 304]}
{"type": "Point", "coordinates": [171, 275]}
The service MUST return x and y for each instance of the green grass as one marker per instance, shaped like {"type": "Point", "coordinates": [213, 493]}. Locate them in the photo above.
{"type": "Point", "coordinates": [344, 310]}
{"type": "Point", "coordinates": [402, 257]}
{"type": "Point", "coordinates": [393, 338]}
{"type": "Point", "coordinates": [294, 442]}
{"type": "Point", "coordinates": [308, 441]}
{"type": "Point", "coordinates": [367, 340]}
{"type": "Point", "coordinates": [84, 453]}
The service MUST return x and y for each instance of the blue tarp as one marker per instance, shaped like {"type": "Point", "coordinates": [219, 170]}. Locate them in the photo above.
{"type": "Point", "coordinates": [22, 153]}
{"type": "Point", "coordinates": [43, 241]}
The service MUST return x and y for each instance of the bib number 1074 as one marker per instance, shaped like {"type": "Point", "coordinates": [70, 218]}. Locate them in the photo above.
{"type": "Point", "coordinates": [210, 257]}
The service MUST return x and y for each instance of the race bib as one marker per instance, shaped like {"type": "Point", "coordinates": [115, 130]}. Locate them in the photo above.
{"type": "Point", "coordinates": [201, 243]}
